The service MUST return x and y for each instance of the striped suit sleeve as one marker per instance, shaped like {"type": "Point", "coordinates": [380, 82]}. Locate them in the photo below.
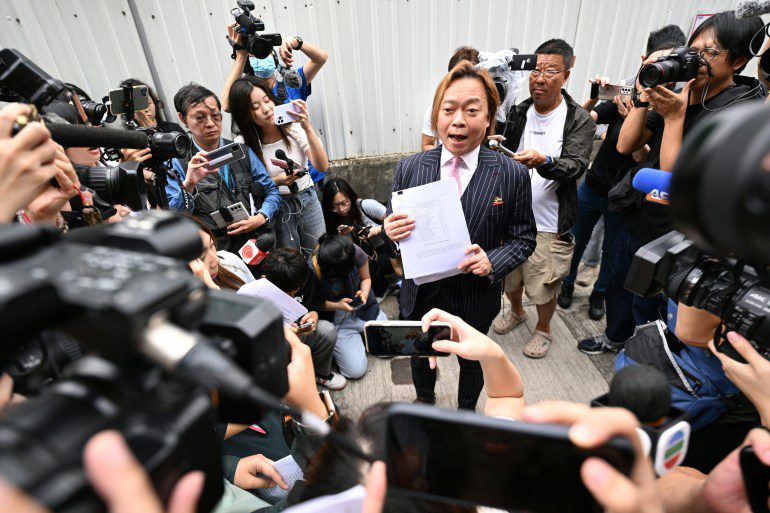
{"type": "Point", "coordinates": [395, 186]}
{"type": "Point", "coordinates": [522, 230]}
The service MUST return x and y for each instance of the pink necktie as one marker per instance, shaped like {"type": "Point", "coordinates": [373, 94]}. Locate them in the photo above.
{"type": "Point", "coordinates": [454, 173]}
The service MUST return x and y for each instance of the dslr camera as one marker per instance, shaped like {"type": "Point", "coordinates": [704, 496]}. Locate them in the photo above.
{"type": "Point", "coordinates": [720, 202]}
{"type": "Point", "coordinates": [680, 65]}
{"type": "Point", "coordinates": [258, 45]}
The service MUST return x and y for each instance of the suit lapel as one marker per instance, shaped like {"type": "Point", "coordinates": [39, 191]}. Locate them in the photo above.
{"type": "Point", "coordinates": [430, 167]}
{"type": "Point", "coordinates": [480, 194]}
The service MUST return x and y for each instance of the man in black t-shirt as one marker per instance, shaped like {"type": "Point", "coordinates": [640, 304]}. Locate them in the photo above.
{"type": "Point", "coordinates": [608, 167]}
{"type": "Point", "coordinates": [724, 44]}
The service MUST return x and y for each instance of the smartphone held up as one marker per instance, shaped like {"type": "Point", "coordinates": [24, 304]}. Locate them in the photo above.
{"type": "Point", "coordinates": [404, 338]}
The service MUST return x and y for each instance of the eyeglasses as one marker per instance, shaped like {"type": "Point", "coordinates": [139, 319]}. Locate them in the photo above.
{"type": "Point", "coordinates": [341, 204]}
{"type": "Point", "coordinates": [549, 73]}
{"type": "Point", "coordinates": [709, 54]}
{"type": "Point", "coordinates": [216, 118]}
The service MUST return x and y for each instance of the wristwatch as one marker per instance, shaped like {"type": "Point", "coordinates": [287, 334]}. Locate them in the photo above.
{"type": "Point", "coordinates": [263, 215]}
{"type": "Point", "coordinates": [640, 103]}
{"type": "Point", "coordinates": [548, 160]}
{"type": "Point", "coordinates": [299, 42]}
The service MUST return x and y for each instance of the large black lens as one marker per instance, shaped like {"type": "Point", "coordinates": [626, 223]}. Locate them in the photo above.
{"type": "Point", "coordinates": [171, 145]}
{"type": "Point", "coordinates": [122, 185]}
{"type": "Point", "coordinates": [659, 73]}
{"type": "Point", "coordinates": [720, 188]}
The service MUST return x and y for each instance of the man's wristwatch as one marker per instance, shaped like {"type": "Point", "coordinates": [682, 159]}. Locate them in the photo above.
{"type": "Point", "coordinates": [299, 42]}
{"type": "Point", "coordinates": [264, 216]}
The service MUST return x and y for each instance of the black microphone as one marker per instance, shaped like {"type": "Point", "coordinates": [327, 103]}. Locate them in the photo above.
{"type": "Point", "coordinates": [265, 242]}
{"type": "Point", "coordinates": [645, 392]}
{"type": "Point", "coordinates": [258, 194]}
{"type": "Point", "coordinates": [281, 155]}
{"type": "Point", "coordinates": [79, 136]}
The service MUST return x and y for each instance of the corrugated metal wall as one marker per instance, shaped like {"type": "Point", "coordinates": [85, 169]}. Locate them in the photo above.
{"type": "Point", "coordinates": [386, 56]}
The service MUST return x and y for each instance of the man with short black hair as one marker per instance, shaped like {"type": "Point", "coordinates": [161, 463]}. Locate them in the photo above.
{"type": "Point", "coordinates": [661, 118]}
{"type": "Point", "coordinates": [288, 270]}
{"type": "Point", "coordinates": [553, 136]}
{"type": "Point", "coordinates": [607, 169]}
{"type": "Point", "coordinates": [196, 189]}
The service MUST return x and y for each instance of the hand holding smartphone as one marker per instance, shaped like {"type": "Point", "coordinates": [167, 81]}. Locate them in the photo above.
{"type": "Point", "coordinates": [404, 338]}
{"type": "Point", "coordinates": [283, 114]}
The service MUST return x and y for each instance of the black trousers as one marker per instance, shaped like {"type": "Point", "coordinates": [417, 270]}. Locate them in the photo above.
{"type": "Point", "coordinates": [424, 378]}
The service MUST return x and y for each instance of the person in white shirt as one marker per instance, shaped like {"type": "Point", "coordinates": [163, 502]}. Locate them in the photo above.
{"type": "Point", "coordinates": [553, 136]}
{"type": "Point", "coordinates": [300, 220]}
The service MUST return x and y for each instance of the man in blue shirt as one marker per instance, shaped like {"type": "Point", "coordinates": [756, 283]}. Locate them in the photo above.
{"type": "Point", "coordinates": [195, 189]}
{"type": "Point", "coordinates": [267, 69]}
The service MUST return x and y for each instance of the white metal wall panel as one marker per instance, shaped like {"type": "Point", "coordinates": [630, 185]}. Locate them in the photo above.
{"type": "Point", "coordinates": [385, 56]}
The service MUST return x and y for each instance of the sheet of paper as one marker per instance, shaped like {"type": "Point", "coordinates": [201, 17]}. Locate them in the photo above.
{"type": "Point", "coordinates": [290, 308]}
{"type": "Point", "coordinates": [349, 501]}
{"type": "Point", "coordinates": [290, 472]}
{"type": "Point", "coordinates": [440, 236]}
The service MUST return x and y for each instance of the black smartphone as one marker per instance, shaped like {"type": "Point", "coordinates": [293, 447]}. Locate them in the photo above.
{"type": "Point", "coordinates": [756, 475]}
{"type": "Point", "coordinates": [357, 303]}
{"type": "Point", "coordinates": [469, 459]}
{"type": "Point", "coordinates": [523, 62]}
{"type": "Point", "coordinates": [225, 155]}
{"type": "Point", "coordinates": [404, 338]}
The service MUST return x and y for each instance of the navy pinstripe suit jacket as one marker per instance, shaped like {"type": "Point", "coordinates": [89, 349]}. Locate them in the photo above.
{"type": "Point", "coordinates": [498, 210]}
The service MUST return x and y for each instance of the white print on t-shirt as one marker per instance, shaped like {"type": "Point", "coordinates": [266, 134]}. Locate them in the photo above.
{"type": "Point", "coordinates": [545, 134]}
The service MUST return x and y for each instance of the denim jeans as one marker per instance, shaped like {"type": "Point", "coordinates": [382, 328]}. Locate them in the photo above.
{"type": "Point", "coordinates": [591, 207]}
{"type": "Point", "coordinates": [626, 310]}
{"type": "Point", "coordinates": [350, 351]}
{"type": "Point", "coordinates": [300, 221]}
{"type": "Point", "coordinates": [593, 252]}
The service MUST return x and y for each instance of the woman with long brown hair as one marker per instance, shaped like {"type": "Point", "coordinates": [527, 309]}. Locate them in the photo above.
{"type": "Point", "coordinates": [252, 105]}
{"type": "Point", "coordinates": [216, 268]}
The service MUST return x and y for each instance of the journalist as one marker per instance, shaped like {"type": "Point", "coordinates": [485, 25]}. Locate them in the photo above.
{"type": "Point", "coordinates": [193, 188]}
{"type": "Point", "coordinates": [267, 70]}
{"type": "Point", "coordinates": [606, 170]}
{"type": "Point", "coordinates": [497, 203]}
{"type": "Point", "coordinates": [299, 222]}
{"type": "Point", "coordinates": [661, 118]}
{"type": "Point", "coordinates": [552, 136]}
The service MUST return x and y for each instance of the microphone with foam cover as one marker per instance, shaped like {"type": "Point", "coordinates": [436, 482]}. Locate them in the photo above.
{"type": "Point", "coordinates": [749, 8]}
{"type": "Point", "coordinates": [78, 136]}
{"type": "Point", "coordinates": [655, 183]}
{"type": "Point", "coordinates": [643, 390]}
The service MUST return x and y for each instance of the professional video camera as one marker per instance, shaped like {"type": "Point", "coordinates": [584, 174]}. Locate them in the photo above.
{"type": "Point", "coordinates": [680, 65]}
{"type": "Point", "coordinates": [506, 68]}
{"type": "Point", "coordinates": [258, 45]}
{"type": "Point", "coordinates": [719, 198]}
{"type": "Point", "coordinates": [119, 185]}
{"type": "Point", "coordinates": [124, 291]}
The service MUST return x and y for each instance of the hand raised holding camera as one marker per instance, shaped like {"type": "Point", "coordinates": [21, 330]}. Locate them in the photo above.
{"type": "Point", "coordinates": [27, 161]}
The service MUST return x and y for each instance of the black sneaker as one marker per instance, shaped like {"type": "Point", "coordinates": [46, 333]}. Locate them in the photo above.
{"type": "Point", "coordinates": [596, 305]}
{"type": "Point", "coordinates": [598, 345]}
{"type": "Point", "coordinates": [564, 299]}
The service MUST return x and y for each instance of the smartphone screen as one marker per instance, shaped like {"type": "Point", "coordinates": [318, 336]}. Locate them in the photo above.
{"type": "Point", "coordinates": [405, 340]}
{"type": "Point", "coordinates": [469, 459]}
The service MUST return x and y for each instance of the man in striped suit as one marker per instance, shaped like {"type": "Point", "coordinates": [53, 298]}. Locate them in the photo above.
{"type": "Point", "coordinates": [497, 202]}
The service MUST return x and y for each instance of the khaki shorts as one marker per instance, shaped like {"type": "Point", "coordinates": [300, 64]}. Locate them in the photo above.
{"type": "Point", "coordinates": [542, 273]}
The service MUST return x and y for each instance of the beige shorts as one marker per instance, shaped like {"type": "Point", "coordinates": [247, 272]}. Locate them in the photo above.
{"type": "Point", "coordinates": [542, 273]}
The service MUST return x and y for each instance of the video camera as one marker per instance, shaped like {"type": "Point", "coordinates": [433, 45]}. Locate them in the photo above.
{"type": "Point", "coordinates": [124, 291]}
{"type": "Point", "coordinates": [258, 45]}
{"type": "Point", "coordinates": [720, 199]}
{"type": "Point", "coordinates": [680, 65]}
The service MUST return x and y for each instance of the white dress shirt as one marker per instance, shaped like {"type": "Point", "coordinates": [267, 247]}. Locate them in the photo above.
{"type": "Point", "coordinates": [467, 167]}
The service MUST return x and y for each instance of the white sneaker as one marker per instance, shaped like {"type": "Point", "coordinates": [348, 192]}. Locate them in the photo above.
{"type": "Point", "coordinates": [336, 382]}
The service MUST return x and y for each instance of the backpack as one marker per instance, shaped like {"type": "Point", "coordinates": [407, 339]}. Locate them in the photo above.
{"type": "Point", "coordinates": [699, 386]}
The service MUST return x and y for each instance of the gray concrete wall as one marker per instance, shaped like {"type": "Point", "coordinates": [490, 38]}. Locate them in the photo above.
{"type": "Point", "coordinates": [371, 176]}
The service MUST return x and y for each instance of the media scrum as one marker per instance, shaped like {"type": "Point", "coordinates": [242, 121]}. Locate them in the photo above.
{"type": "Point", "coordinates": [172, 300]}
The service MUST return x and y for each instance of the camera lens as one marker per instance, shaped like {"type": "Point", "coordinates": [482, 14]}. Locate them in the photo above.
{"type": "Point", "coordinates": [651, 75]}
{"type": "Point", "coordinates": [122, 185]}
{"type": "Point", "coordinates": [169, 145]}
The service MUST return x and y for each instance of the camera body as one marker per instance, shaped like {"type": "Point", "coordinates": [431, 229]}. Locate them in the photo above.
{"type": "Point", "coordinates": [168, 425]}
{"type": "Point", "coordinates": [680, 65]}
{"type": "Point", "coordinates": [723, 287]}
{"type": "Point", "coordinates": [258, 45]}
{"type": "Point", "coordinates": [41, 361]}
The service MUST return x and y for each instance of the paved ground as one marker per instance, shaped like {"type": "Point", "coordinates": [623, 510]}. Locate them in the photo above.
{"type": "Point", "coordinates": [565, 373]}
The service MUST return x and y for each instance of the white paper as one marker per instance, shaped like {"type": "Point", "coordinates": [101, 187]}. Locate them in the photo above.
{"type": "Point", "coordinates": [290, 472]}
{"type": "Point", "coordinates": [349, 501]}
{"type": "Point", "coordinates": [440, 237]}
{"type": "Point", "coordinates": [290, 308]}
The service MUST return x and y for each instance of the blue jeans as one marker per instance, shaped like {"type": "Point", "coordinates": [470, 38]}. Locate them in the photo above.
{"type": "Point", "coordinates": [300, 221]}
{"type": "Point", "coordinates": [591, 207]}
{"type": "Point", "coordinates": [626, 310]}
